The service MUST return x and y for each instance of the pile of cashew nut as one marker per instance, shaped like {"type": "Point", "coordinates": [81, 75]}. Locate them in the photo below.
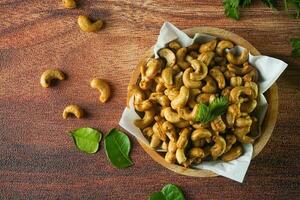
{"type": "Point", "coordinates": [171, 87]}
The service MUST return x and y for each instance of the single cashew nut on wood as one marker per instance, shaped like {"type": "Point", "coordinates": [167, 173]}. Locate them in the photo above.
{"type": "Point", "coordinates": [238, 60]}
{"type": "Point", "coordinates": [73, 110]}
{"type": "Point", "coordinates": [49, 75]}
{"type": "Point", "coordinates": [86, 25]}
{"type": "Point", "coordinates": [103, 87]}
{"type": "Point", "coordinates": [168, 55]}
{"type": "Point", "coordinates": [69, 4]}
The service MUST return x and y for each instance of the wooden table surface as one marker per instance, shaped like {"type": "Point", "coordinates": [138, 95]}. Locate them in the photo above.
{"type": "Point", "coordinates": [38, 160]}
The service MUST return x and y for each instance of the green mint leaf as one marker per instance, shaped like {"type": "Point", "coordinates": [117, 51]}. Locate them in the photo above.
{"type": "Point", "coordinates": [295, 42]}
{"type": "Point", "coordinates": [172, 192]}
{"type": "Point", "coordinates": [117, 148]}
{"type": "Point", "coordinates": [295, 4]}
{"type": "Point", "coordinates": [86, 139]}
{"type": "Point", "coordinates": [231, 8]}
{"type": "Point", "coordinates": [157, 196]}
{"type": "Point", "coordinates": [218, 106]}
{"type": "Point", "coordinates": [270, 3]}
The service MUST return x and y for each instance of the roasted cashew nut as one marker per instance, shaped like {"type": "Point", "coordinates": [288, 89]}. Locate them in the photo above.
{"type": "Point", "coordinates": [153, 66]}
{"type": "Point", "coordinates": [240, 70]}
{"type": "Point", "coordinates": [196, 152]}
{"type": "Point", "coordinates": [220, 61]}
{"type": "Point", "coordinates": [171, 115]}
{"type": "Point", "coordinates": [230, 140]}
{"type": "Point", "coordinates": [236, 92]}
{"type": "Point", "coordinates": [171, 93]}
{"type": "Point", "coordinates": [69, 3]}
{"type": "Point", "coordinates": [160, 98]}
{"type": "Point", "coordinates": [200, 70]}
{"type": "Point", "coordinates": [180, 57]}
{"type": "Point", "coordinates": [148, 132]}
{"type": "Point", "coordinates": [210, 86]}
{"type": "Point", "coordinates": [205, 98]}
{"type": "Point", "coordinates": [206, 57]}
{"type": "Point", "coordinates": [222, 45]}
{"type": "Point", "coordinates": [103, 87]}
{"type": "Point", "coordinates": [170, 157]}
{"type": "Point", "coordinates": [183, 138]}
{"type": "Point", "coordinates": [226, 91]}
{"type": "Point", "coordinates": [209, 46]}
{"type": "Point", "coordinates": [73, 110]}
{"type": "Point", "coordinates": [232, 113]}
{"type": "Point", "coordinates": [249, 106]}
{"type": "Point", "coordinates": [188, 82]}
{"type": "Point", "coordinates": [167, 77]}
{"type": "Point", "coordinates": [180, 156]}
{"type": "Point", "coordinates": [254, 87]}
{"type": "Point", "coordinates": [168, 55]}
{"type": "Point", "coordinates": [252, 76]}
{"type": "Point", "coordinates": [218, 125]}
{"type": "Point", "coordinates": [238, 60]}
{"type": "Point", "coordinates": [233, 153]}
{"type": "Point", "coordinates": [174, 45]}
{"type": "Point", "coordinates": [178, 80]}
{"type": "Point", "coordinates": [170, 131]}
{"type": "Point", "coordinates": [243, 121]}
{"type": "Point", "coordinates": [147, 119]}
{"type": "Point", "coordinates": [157, 129]}
{"type": "Point", "coordinates": [218, 76]}
{"type": "Point", "coordinates": [236, 81]}
{"type": "Point", "coordinates": [228, 74]}
{"type": "Point", "coordinates": [86, 25]}
{"type": "Point", "coordinates": [218, 148]}
{"type": "Point", "coordinates": [49, 75]}
{"type": "Point", "coordinates": [181, 99]}
{"type": "Point", "coordinates": [192, 98]}
{"type": "Point", "coordinates": [155, 141]}
{"type": "Point", "coordinates": [188, 114]}
{"type": "Point", "coordinates": [182, 124]}
{"type": "Point", "coordinates": [201, 133]}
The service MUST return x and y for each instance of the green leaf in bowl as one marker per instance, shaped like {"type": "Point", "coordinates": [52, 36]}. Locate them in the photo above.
{"type": "Point", "coordinates": [117, 148]}
{"type": "Point", "coordinates": [86, 139]}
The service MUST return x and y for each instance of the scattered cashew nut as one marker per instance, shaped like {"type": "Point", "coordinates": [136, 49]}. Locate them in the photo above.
{"type": "Point", "coordinates": [49, 75]}
{"type": "Point", "coordinates": [103, 88]}
{"type": "Point", "coordinates": [69, 4]}
{"type": "Point", "coordinates": [74, 110]}
{"type": "Point", "coordinates": [86, 25]}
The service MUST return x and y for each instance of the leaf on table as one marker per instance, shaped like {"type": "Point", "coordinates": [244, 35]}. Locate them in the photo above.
{"type": "Point", "coordinates": [157, 196]}
{"type": "Point", "coordinates": [294, 4]}
{"type": "Point", "coordinates": [86, 139]}
{"type": "Point", "coordinates": [270, 3]}
{"type": "Point", "coordinates": [231, 8]}
{"type": "Point", "coordinates": [172, 192]}
{"type": "Point", "coordinates": [117, 148]}
{"type": "Point", "coordinates": [295, 42]}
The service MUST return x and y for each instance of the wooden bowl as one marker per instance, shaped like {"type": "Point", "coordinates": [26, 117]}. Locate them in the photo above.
{"type": "Point", "coordinates": [271, 96]}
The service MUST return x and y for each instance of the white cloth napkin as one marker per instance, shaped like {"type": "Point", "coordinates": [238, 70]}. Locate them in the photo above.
{"type": "Point", "coordinates": [269, 70]}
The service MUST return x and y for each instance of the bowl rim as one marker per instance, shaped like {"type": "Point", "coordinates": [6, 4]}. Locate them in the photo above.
{"type": "Point", "coordinates": [271, 95]}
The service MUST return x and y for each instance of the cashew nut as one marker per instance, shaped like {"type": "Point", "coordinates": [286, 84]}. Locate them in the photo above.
{"type": "Point", "coordinates": [230, 140]}
{"type": "Point", "coordinates": [170, 157]}
{"type": "Point", "coordinates": [69, 3]}
{"type": "Point", "coordinates": [222, 45]}
{"type": "Point", "coordinates": [220, 61]}
{"type": "Point", "coordinates": [252, 76]}
{"type": "Point", "coordinates": [254, 87]}
{"type": "Point", "coordinates": [188, 82]}
{"type": "Point", "coordinates": [178, 82]}
{"type": "Point", "coordinates": [218, 124]}
{"type": "Point", "coordinates": [74, 110]}
{"type": "Point", "coordinates": [249, 106]}
{"type": "Point", "coordinates": [240, 70]}
{"type": "Point", "coordinates": [209, 46]}
{"type": "Point", "coordinates": [157, 129]}
{"type": "Point", "coordinates": [236, 92]}
{"type": "Point", "coordinates": [238, 60]}
{"type": "Point", "coordinates": [193, 47]}
{"type": "Point", "coordinates": [218, 76]}
{"type": "Point", "coordinates": [210, 86]}
{"type": "Point", "coordinates": [200, 70]}
{"type": "Point", "coordinates": [174, 45]}
{"type": "Point", "coordinates": [181, 99]}
{"type": "Point", "coordinates": [164, 146]}
{"type": "Point", "coordinates": [228, 74]}
{"type": "Point", "coordinates": [168, 55]}
{"type": "Point", "coordinates": [226, 91]}
{"type": "Point", "coordinates": [233, 153]}
{"type": "Point", "coordinates": [152, 68]}
{"type": "Point", "coordinates": [192, 98]}
{"type": "Point", "coordinates": [180, 57]}
{"type": "Point", "coordinates": [49, 75]}
{"type": "Point", "coordinates": [155, 141]}
{"type": "Point", "coordinates": [236, 81]}
{"type": "Point", "coordinates": [188, 114]}
{"type": "Point", "coordinates": [86, 25]}
{"type": "Point", "coordinates": [205, 98]}
{"type": "Point", "coordinates": [147, 119]}
{"type": "Point", "coordinates": [103, 87]}
{"type": "Point", "coordinates": [196, 152]}
{"type": "Point", "coordinates": [160, 98]}
{"type": "Point", "coordinates": [180, 156]}
{"type": "Point", "coordinates": [201, 133]}
{"type": "Point", "coordinates": [206, 57]}
{"type": "Point", "coordinates": [183, 138]}
{"type": "Point", "coordinates": [232, 113]}
{"type": "Point", "coordinates": [167, 77]}
{"type": "Point", "coordinates": [148, 132]}
{"type": "Point", "coordinates": [218, 148]}
{"type": "Point", "coordinates": [170, 131]}
{"type": "Point", "coordinates": [171, 115]}
{"type": "Point", "coordinates": [182, 124]}
{"type": "Point", "coordinates": [171, 93]}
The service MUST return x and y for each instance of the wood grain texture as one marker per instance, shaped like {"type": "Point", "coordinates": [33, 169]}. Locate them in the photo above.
{"type": "Point", "coordinates": [38, 159]}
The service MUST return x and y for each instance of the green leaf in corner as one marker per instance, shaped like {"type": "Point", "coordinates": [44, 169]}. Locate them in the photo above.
{"type": "Point", "coordinates": [157, 196]}
{"type": "Point", "coordinates": [117, 148]}
{"type": "Point", "coordinates": [86, 139]}
{"type": "Point", "coordinates": [295, 4]}
{"type": "Point", "coordinates": [231, 9]}
{"type": "Point", "coordinates": [245, 3]}
{"type": "Point", "coordinates": [295, 42]}
{"type": "Point", "coordinates": [172, 192]}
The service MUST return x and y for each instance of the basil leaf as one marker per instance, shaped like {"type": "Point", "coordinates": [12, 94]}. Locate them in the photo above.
{"type": "Point", "coordinates": [231, 9]}
{"type": "Point", "coordinates": [86, 139]}
{"type": "Point", "coordinates": [172, 192]}
{"type": "Point", "coordinates": [270, 3]}
{"type": "Point", "coordinates": [245, 3]}
{"type": "Point", "coordinates": [157, 196]}
{"type": "Point", "coordinates": [294, 4]}
{"type": "Point", "coordinates": [295, 42]}
{"type": "Point", "coordinates": [117, 148]}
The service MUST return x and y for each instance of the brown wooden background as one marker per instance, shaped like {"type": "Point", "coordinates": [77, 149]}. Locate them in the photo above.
{"type": "Point", "coordinates": [38, 160]}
